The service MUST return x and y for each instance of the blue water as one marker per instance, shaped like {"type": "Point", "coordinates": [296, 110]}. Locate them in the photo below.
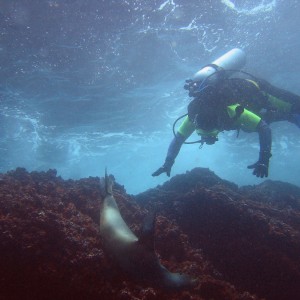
{"type": "Point", "coordinates": [87, 84]}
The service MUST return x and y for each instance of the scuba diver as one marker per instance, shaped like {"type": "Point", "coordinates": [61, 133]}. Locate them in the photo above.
{"type": "Point", "coordinates": [222, 102]}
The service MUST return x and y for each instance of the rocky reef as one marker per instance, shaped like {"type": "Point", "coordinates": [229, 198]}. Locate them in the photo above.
{"type": "Point", "coordinates": [240, 243]}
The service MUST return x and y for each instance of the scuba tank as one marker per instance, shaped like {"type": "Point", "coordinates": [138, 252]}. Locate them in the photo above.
{"type": "Point", "coordinates": [230, 62]}
{"type": "Point", "coordinates": [234, 59]}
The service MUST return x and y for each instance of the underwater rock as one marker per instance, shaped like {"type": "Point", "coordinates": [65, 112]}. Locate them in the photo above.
{"type": "Point", "coordinates": [278, 194]}
{"type": "Point", "coordinates": [238, 246]}
{"type": "Point", "coordinates": [244, 235]}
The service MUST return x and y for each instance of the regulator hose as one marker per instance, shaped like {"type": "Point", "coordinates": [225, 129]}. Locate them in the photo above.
{"type": "Point", "coordinates": [174, 124]}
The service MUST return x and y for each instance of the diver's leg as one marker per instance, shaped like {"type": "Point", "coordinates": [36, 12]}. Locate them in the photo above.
{"type": "Point", "coordinates": [295, 115]}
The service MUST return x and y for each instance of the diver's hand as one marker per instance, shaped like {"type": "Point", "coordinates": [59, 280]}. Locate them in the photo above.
{"type": "Point", "coordinates": [261, 167]}
{"type": "Point", "coordinates": [166, 168]}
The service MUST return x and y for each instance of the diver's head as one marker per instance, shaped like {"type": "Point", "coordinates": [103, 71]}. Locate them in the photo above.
{"type": "Point", "coordinates": [203, 113]}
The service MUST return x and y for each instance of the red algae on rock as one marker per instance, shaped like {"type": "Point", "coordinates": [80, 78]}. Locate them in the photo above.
{"type": "Point", "coordinates": [239, 244]}
{"type": "Point", "coordinates": [254, 244]}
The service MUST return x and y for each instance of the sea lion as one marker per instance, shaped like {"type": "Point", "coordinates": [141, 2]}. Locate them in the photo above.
{"type": "Point", "coordinates": [136, 256]}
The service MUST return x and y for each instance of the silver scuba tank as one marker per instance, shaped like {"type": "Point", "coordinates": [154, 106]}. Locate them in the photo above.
{"type": "Point", "coordinates": [234, 59]}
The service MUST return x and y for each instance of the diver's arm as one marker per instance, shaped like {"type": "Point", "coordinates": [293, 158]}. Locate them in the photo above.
{"type": "Point", "coordinates": [249, 122]}
{"type": "Point", "coordinates": [265, 137]}
{"type": "Point", "coordinates": [185, 130]}
{"type": "Point", "coordinates": [175, 147]}
{"type": "Point", "coordinates": [261, 167]}
{"type": "Point", "coordinates": [172, 153]}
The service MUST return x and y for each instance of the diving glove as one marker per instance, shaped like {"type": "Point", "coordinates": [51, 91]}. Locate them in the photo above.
{"type": "Point", "coordinates": [166, 168]}
{"type": "Point", "coordinates": [261, 167]}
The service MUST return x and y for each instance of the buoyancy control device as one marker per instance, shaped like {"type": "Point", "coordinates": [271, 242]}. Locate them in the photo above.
{"type": "Point", "coordinates": [230, 62]}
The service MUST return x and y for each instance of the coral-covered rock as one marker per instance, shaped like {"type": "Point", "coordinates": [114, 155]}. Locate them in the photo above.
{"type": "Point", "coordinates": [253, 244]}
{"type": "Point", "coordinates": [237, 242]}
{"type": "Point", "coordinates": [278, 194]}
